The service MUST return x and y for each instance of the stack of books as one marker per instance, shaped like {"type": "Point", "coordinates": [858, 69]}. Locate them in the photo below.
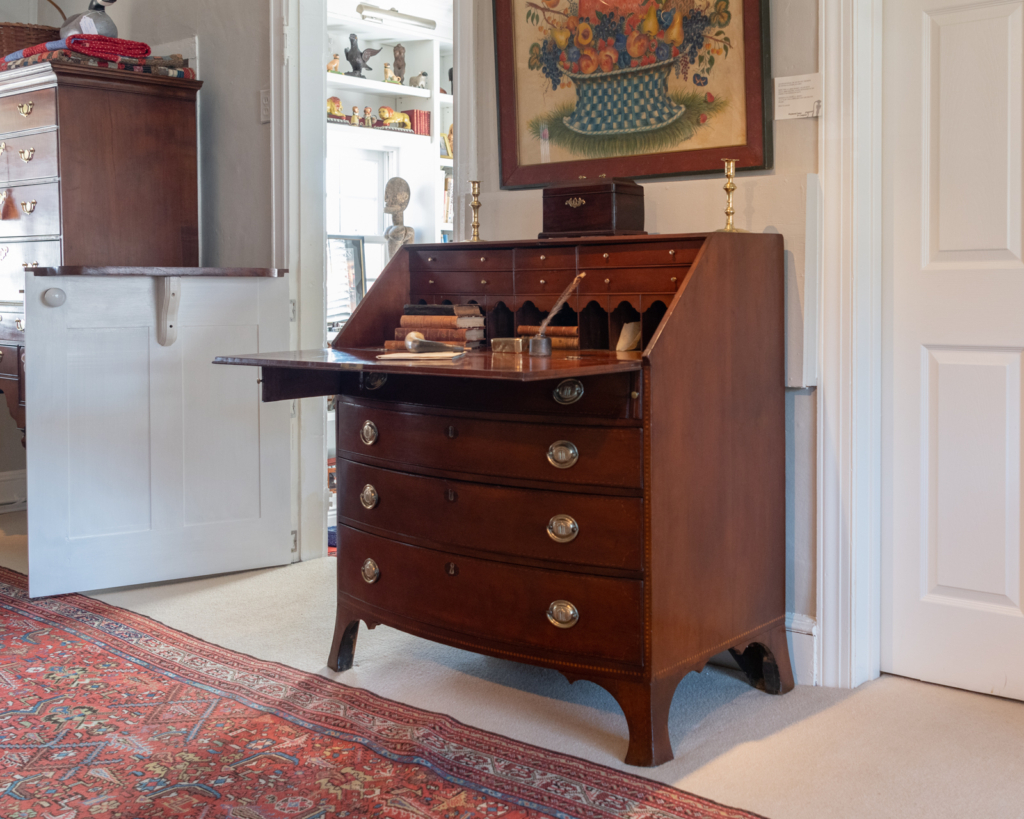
{"type": "Point", "coordinates": [562, 338]}
{"type": "Point", "coordinates": [451, 323]}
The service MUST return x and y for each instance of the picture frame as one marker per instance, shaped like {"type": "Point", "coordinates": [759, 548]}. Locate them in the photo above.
{"type": "Point", "coordinates": [446, 147]}
{"type": "Point", "coordinates": [631, 88]}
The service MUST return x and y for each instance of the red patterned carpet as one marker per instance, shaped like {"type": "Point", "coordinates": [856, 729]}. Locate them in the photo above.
{"type": "Point", "coordinates": [106, 713]}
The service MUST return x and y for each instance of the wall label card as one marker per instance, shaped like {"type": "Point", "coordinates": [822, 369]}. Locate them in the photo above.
{"type": "Point", "coordinates": [798, 97]}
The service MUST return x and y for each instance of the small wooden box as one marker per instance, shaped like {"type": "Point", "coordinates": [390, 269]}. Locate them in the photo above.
{"type": "Point", "coordinates": [614, 207]}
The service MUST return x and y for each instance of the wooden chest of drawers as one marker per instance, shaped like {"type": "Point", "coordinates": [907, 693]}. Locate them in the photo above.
{"type": "Point", "coordinates": [98, 168]}
{"type": "Point", "coordinates": [619, 517]}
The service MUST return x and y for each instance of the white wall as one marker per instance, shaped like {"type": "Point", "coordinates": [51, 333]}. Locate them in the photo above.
{"type": "Point", "coordinates": [234, 52]}
{"type": "Point", "coordinates": [773, 200]}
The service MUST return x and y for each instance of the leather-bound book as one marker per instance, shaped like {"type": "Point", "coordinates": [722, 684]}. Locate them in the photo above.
{"type": "Point", "coordinates": [452, 322]}
{"type": "Point", "coordinates": [530, 330]}
{"type": "Point", "coordinates": [441, 333]}
{"type": "Point", "coordinates": [442, 310]}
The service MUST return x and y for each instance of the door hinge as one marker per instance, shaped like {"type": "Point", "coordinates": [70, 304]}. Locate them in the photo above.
{"type": "Point", "coordinates": [293, 310]}
{"type": "Point", "coordinates": [295, 541]}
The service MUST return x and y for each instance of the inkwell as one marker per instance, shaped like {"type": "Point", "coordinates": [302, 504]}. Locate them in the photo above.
{"type": "Point", "coordinates": [540, 344]}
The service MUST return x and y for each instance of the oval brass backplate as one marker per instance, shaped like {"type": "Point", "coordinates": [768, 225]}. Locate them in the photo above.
{"type": "Point", "coordinates": [371, 571]}
{"type": "Point", "coordinates": [563, 529]}
{"type": "Point", "coordinates": [563, 614]}
{"type": "Point", "coordinates": [368, 433]}
{"type": "Point", "coordinates": [563, 454]}
{"type": "Point", "coordinates": [568, 392]}
{"type": "Point", "coordinates": [374, 381]}
{"type": "Point", "coordinates": [369, 497]}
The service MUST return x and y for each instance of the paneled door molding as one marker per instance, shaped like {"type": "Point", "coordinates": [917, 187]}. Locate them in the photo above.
{"type": "Point", "coordinates": [298, 91]}
{"type": "Point", "coordinates": [849, 392]}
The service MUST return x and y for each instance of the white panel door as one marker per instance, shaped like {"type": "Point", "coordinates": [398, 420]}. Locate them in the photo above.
{"type": "Point", "coordinates": [952, 563]}
{"type": "Point", "coordinates": [150, 463]}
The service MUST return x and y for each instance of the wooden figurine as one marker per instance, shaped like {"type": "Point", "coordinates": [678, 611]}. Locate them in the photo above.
{"type": "Point", "coordinates": [419, 81]}
{"type": "Point", "coordinates": [400, 62]}
{"type": "Point", "coordinates": [354, 119]}
{"type": "Point", "coordinates": [358, 59]}
{"type": "Point", "coordinates": [396, 200]}
{"type": "Point", "coordinates": [368, 116]}
{"type": "Point", "coordinates": [389, 75]}
{"type": "Point", "coordinates": [332, 66]}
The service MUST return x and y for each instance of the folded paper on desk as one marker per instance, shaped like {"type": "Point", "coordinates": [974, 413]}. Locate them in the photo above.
{"type": "Point", "coordinates": [419, 356]}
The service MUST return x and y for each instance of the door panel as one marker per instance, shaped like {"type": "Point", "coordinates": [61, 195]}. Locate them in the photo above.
{"type": "Point", "coordinates": [954, 268]}
{"type": "Point", "coordinates": [150, 463]}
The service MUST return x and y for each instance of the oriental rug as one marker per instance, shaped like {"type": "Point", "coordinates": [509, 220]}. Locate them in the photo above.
{"type": "Point", "coordinates": [107, 713]}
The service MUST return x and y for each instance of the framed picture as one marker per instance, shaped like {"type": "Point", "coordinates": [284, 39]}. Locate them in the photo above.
{"type": "Point", "coordinates": [446, 147]}
{"type": "Point", "coordinates": [346, 277]}
{"type": "Point", "coordinates": [631, 88]}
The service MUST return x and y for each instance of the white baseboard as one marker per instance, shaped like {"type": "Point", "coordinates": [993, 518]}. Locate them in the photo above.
{"type": "Point", "coordinates": [13, 491]}
{"type": "Point", "coordinates": [802, 632]}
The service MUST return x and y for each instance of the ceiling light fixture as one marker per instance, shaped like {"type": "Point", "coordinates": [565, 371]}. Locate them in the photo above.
{"type": "Point", "coordinates": [372, 14]}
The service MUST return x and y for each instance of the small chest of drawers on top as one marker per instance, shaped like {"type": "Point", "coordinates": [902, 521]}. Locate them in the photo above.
{"type": "Point", "coordinates": [619, 517]}
{"type": "Point", "coordinates": [98, 168]}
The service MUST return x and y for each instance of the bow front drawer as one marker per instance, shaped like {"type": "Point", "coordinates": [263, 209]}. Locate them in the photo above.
{"type": "Point", "coordinates": [561, 527]}
{"type": "Point", "coordinates": [478, 259]}
{"type": "Point", "coordinates": [556, 453]}
{"type": "Point", "coordinates": [539, 609]}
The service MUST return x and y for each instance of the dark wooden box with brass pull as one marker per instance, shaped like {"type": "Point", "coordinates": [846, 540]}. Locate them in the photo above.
{"type": "Point", "coordinates": [619, 517]}
{"type": "Point", "coordinates": [613, 207]}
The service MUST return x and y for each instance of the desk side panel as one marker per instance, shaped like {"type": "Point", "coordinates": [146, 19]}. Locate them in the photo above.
{"type": "Point", "coordinates": [717, 428]}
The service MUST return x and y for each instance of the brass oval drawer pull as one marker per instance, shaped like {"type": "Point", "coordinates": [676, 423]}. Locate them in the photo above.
{"type": "Point", "coordinates": [374, 381]}
{"type": "Point", "coordinates": [563, 614]}
{"type": "Point", "coordinates": [369, 497]}
{"type": "Point", "coordinates": [26, 155]}
{"type": "Point", "coordinates": [563, 528]}
{"type": "Point", "coordinates": [368, 433]}
{"type": "Point", "coordinates": [29, 207]}
{"type": "Point", "coordinates": [25, 108]}
{"type": "Point", "coordinates": [370, 571]}
{"type": "Point", "coordinates": [568, 392]}
{"type": "Point", "coordinates": [563, 454]}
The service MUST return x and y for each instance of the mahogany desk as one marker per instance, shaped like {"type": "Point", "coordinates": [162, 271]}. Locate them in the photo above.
{"type": "Point", "coordinates": [619, 517]}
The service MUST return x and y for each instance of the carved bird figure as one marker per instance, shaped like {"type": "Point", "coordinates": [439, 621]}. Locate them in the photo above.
{"type": "Point", "coordinates": [332, 66]}
{"type": "Point", "coordinates": [357, 58]}
{"type": "Point", "coordinates": [419, 81]}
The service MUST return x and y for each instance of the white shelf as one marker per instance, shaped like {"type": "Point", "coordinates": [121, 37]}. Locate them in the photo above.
{"type": "Point", "coordinates": [449, 226]}
{"type": "Point", "coordinates": [446, 163]}
{"type": "Point", "coordinates": [446, 99]}
{"type": "Point", "coordinates": [375, 87]}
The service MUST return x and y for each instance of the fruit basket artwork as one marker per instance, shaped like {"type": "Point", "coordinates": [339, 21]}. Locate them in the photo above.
{"type": "Point", "coordinates": [615, 79]}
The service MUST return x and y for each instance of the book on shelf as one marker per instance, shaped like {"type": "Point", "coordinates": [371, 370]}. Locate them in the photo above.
{"type": "Point", "coordinates": [458, 322]}
{"type": "Point", "coordinates": [442, 333]}
{"type": "Point", "coordinates": [531, 330]}
{"type": "Point", "coordinates": [564, 342]}
{"type": "Point", "coordinates": [442, 310]}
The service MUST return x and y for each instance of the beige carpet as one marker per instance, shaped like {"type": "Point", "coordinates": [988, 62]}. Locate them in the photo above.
{"type": "Point", "coordinates": [892, 748]}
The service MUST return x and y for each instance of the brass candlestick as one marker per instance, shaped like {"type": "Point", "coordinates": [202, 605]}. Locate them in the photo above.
{"type": "Point", "coordinates": [730, 187]}
{"type": "Point", "coordinates": [475, 205]}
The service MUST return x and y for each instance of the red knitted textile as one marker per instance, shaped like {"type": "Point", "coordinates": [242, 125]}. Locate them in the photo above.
{"type": "Point", "coordinates": [107, 48]}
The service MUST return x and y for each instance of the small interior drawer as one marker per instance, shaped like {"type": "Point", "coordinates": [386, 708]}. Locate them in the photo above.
{"type": "Point", "coordinates": [34, 109]}
{"type": "Point", "coordinates": [647, 254]}
{"type": "Point", "coordinates": [553, 258]}
{"type": "Point", "coordinates": [524, 523]}
{"type": "Point", "coordinates": [538, 282]}
{"type": "Point", "coordinates": [445, 281]}
{"type": "Point", "coordinates": [480, 259]}
{"type": "Point", "coordinates": [495, 601]}
{"type": "Point", "coordinates": [605, 456]}
{"type": "Point", "coordinates": [618, 280]}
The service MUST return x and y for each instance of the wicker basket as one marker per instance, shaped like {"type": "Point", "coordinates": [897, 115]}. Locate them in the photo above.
{"type": "Point", "coordinates": [16, 36]}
